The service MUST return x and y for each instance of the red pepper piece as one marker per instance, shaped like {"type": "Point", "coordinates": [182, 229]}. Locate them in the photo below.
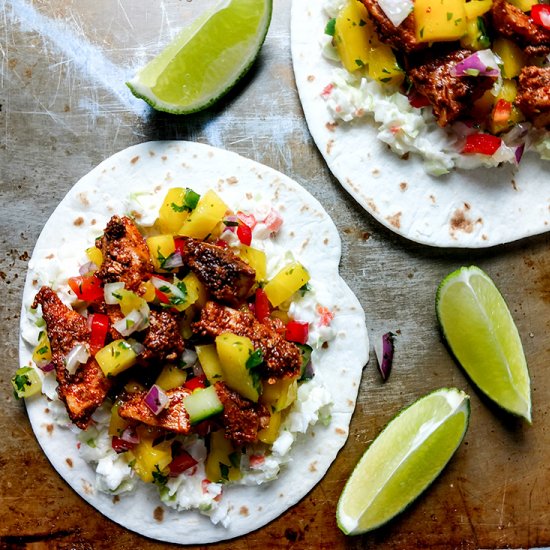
{"type": "Point", "coordinates": [99, 326]}
{"type": "Point", "coordinates": [247, 219]}
{"type": "Point", "coordinates": [180, 246]}
{"type": "Point", "coordinates": [221, 243]}
{"type": "Point", "coordinates": [418, 100]}
{"type": "Point", "coordinates": [540, 14]}
{"type": "Point", "coordinates": [183, 461]}
{"type": "Point", "coordinates": [87, 287]}
{"type": "Point", "coordinates": [484, 144]}
{"type": "Point", "coordinates": [502, 111]}
{"type": "Point", "coordinates": [262, 307]}
{"type": "Point", "coordinates": [244, 233]}
{"type": "Point", "coordinates": [196, 382]}
{"type": "Point", "coordinates": [121, 446]}
{"type": "Point", "coordinates": [297, 331]}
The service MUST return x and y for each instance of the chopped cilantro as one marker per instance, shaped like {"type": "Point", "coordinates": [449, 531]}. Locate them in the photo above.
{"type": "Point", "coordinates": [158, 477]}
{"type": "Point", "coordinates": [359, 63]}
{"type": "Point", "coordinates": [330, 28]}
{"type": "Point", "coordinates": [190, 201]}
{"type": "Point", "coordinates": [20, 381]}
{"type": "Point", "coordinates": [224, 471]}
{"type": "Point", "coordinates": [305, 288]}
{"type": "Point", "coordinates": [386, 80]}
{"type": "Point", "coordinates": [362, 23]}
{"type": "Point", "coordinates": [449, 15]}
{"type": "Point", "coordinates": [43, 350]}
{"type": "Point", "coordinates": [255, 359]}
{"type": "Point", "coordinates": [91, 443]}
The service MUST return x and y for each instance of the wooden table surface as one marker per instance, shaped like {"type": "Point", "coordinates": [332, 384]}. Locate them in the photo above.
{"type": "Point", "coordinates": [64, 108]}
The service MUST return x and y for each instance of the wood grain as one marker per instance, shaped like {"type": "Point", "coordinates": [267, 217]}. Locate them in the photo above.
{"type": "Point", "coordinates": [60, 117]}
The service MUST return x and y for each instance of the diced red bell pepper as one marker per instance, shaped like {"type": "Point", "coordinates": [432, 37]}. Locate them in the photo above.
{"type": "Point", "coordinates": [326, 316]}
{"type": "Point", "coordinates": [121, 446]}
{"type": "Point", "coordinates": [244, 233]}
{"type": "Point", "coordinates": [418, 100]}
{"type": "Point", "coordinates": [180, 246]}
{"type": "Point", "coordinates": [99, 327]}
{"type": "Point", "coordinates": [484, 144]}
{"type": "Point", "coordinates": [221, 243]}
{"type": "Point", "coordinates": [196, 382]}
{"type": "Point", "coordinates": [183, 461]}
{"type": "Point", "coordinates": [297, 331]}
{"type": "Point", "coordinates": [502, 111]}
{"type": "Point", "coordinates": [273, 221]}
{"type": "Point", "coordinates": [87, 287]}
{"type": "Point", "coordinates": [540, 14]}
{"type": "Point", "coordinates": [262, 307]}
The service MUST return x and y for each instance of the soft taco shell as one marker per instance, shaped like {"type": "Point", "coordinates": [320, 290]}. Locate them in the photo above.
{"type": "Point", "coordinates": [466, 208]}
{"type": "Point", "coordinates": [155, 167]}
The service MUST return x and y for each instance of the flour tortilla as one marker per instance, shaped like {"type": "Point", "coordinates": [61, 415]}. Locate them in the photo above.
{"type": "Point", "coordinates": [466, 208]}
{"type": "Point", "coordinates": [307, 229]}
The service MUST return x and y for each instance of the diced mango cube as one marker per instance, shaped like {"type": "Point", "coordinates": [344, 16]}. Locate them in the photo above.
{"type": "Point", "coordinates": [95, 255]}
{"type": "Point", "coordinates": [513, 58]}
{"type": "Point", "coordinates": [223, 460]}
{"type": "Point", "coordinates": [42, 354]}
{"type": "Point", "coordinates": [286, 282]}
{"type": "Point", "coordinates": [161, 248]}
{"type": "Point", "coordinates": [439, 20]}
{"type": "Point", "coordinates": [271, 432]}
{"type": "Point", "coordinates": [209, 211]}
{"type": "Point", "coordinates": [350, 37]}
{"type": "Point", "coordinates": [172, 213]}
{"type": "Point", "coordinates": [171, 377]}
{"type": "Point", "coordinates": [117, 424]}
{"type": "Point", "coordinates": [281, 394]}
{"type": "Point", "coordinates": [256, 259]}
{"type": "Point", "coordinates": [151, 460]}
{"type": "Point", "coordinates": [210, 362]}
{"type": "Point", "coordinates": [476, 8]}
{"type": "Point", "coordinates": [116, 357]}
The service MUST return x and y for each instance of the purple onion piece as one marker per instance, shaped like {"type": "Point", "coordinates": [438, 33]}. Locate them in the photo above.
{"type": "Point", "coordinates": [385, 362]}
{"type": "Point", "coordinates": [48, 367]}
{"type": "Point", "coordinates": [481, 63]}
{"type": "Point", "coordinates": [130, 435]}
{"type": "Point", "coordinates": [88, 267]}
{"type": "Point", "coordinates": [519, 152]}
{"type": "Point", "coordinates": [156, 400]}
{"type": "Point", "coordinates": [174, 260]}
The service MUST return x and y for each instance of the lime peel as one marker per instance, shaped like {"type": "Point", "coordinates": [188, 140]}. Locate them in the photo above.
{"type": "Point", "coordinates": [403, 460]}
{"type": "Point", "coordinates": [206, 59]}
{"type": "Point", "coordinates": [482, 335]}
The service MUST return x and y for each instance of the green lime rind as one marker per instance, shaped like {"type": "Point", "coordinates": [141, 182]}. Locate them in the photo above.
{"type": "Point", "coordinates": [403, 460]}
{"type": "Point", "coordinates": [205, 60]}
{"type": "Point", "coordinates": [481, 333]}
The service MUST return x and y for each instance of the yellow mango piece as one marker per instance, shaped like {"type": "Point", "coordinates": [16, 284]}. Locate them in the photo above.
{"type": "Point", "coordinates": [256, 259]}
{"type": "Point", "coordinates": [42, 353]}
{"type": "Point", "coordinates": [524, 5]}
{"type": "Point", "coordinates": [95, 255]}
{"type": "Point", "coordinates": [222, 462]}
{"type": "Point", "coordinates": [508, 91]}
{"type": "Point", "coordinates": [196, 291]}
{"type": "Point", "coordinates": [269, 435]}
{"type": "Point", "coordinates": [116, 357]}
{"type": "Point", "coordinates": [171, 377]}
{"type": "Point", "coordinates": [129, 301]}
{"type": "Point", "coordinates": [476, 8]}
{"type": "Point", "coordinates": [151, 460]}
{"type": "Point", "coordinates": [475, 37]}
{"type": "Point", "coordinates": [513, 58]}
{"type": "Point", "coordinates": [286, 282]}
{"type": "Point", "coordinates": [350, 37]}
{"type": "Point", "coordinates": [147, 291]}
{"type": "Point", "coordinates": [209, 211]}
{"type": "Point", "coordinates": [234, 352]}
{"type": "Point", "coordinates": [210, 362]}
{"type": "Point", "coordinates": [117, 424]}
{"type": "Point", "coordinates": [172, 213]}
{"type": "Point", "coordinates": [161, 247]}
{"type": "Point", "coordinates": [280, 395]}
{"type": "Point", "coordinates": [439, 20]}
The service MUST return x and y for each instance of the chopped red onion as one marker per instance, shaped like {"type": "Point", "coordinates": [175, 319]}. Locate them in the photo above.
{"type": "Point", "coordinates": [130, 435]}
{"type": "Point", "coordinates": [110, 291]}
{"type": "Point", "coordinates": [396, 10]}
{"type": "Point", "coordinates": [88, 267]}
{"type": "Point", "coordinates": [78, 355]}
{"type": "Point", "coordinates": [136, 320]}
{"type": "Point", "coordinates": [156, 400]}
{"type": "Point", "coordinates": [481, 63]}
{"type": "Point", "coordinates": [174, 260]}
{"type": "Point", "coordinates": [48, 367]}
{"type": "Point", "coordinates": [385, 358]}
{"type": "Point", "coordinates": [518, 152]}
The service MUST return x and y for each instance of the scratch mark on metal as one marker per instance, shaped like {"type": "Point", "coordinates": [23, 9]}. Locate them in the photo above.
{"type": "Point", "coordinates": [83, 55]}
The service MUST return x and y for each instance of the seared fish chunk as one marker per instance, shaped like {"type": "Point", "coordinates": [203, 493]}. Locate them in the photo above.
{"type": "Point", "coordinates": [85, 390]}
{"type": "Point", "coordinates": [125, 254]}
{"type": "Point", "coordinates": [227, 277]}
{"type": "Point", "coordinates": [281, 358]}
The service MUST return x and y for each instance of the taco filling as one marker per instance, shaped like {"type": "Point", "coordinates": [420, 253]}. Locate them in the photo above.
{"type": "Point", "coordinates": [463, 84]}
{"type": "Point", "coordinates": [181, 354]}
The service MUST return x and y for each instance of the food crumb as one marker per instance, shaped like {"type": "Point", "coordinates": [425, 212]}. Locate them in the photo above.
{"type": "Point", "coordinates": [69, 462]}
{"type": "Point", "coordinates": [79, 221]}
{"type": "Point", "coordinates": [243, 511]}
{"type": "Point", "coordinates": [158, 513]}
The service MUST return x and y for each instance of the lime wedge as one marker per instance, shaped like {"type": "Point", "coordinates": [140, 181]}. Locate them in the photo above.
{"type": "Point", "coordinates": [482, 335]}
{"type": "Point", "coordinates": [403, 460]}
{"type": "Point", "coordinates": [206, 59]}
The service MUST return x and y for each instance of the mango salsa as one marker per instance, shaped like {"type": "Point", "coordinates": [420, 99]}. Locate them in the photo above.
{"type": "Point", "coordinates": [95, 255]}
{"type": "Point", "coordinates": [269, 435]}
{"type": "Point", "coordinates": [201, 221]}
{"type": "Point", "coordinates": [173, 211]}
{"type": "Point", "coordinates": [42, 354]}
{"type": "Point", "coordinates": [289, 279]}
{"type": "Point", "coordinates": [223, 460]}
{"type": "Point", "coordinates": [210, 362]}
{"type": "Point", "coordinates": [350, 39]}
{"type": "Point", "coordinates": [26, 382]}
{"type": "Point", "coordinates": [171, 377]}
{"type": "Point", "coordinates": [161, 248]}
{"type": "Point", "coordinates": [513, 58]}
{"type": "Point", "coordinates": [439, 20]}
{"type": "Point", "coordinates": [117, 424]}
{"type": "Point", "coordinates": [476, 8]}
{"type": "Point", "coordinates": [234, 352]}
{"type": "Point", "coordinates": [280, 395]}
{"type": "Point", "coordinates": [116, 357]}
{"type": "Point", "coordinates": [151, 461]}
{"type": "Point", "coordinates": [256, 259]}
